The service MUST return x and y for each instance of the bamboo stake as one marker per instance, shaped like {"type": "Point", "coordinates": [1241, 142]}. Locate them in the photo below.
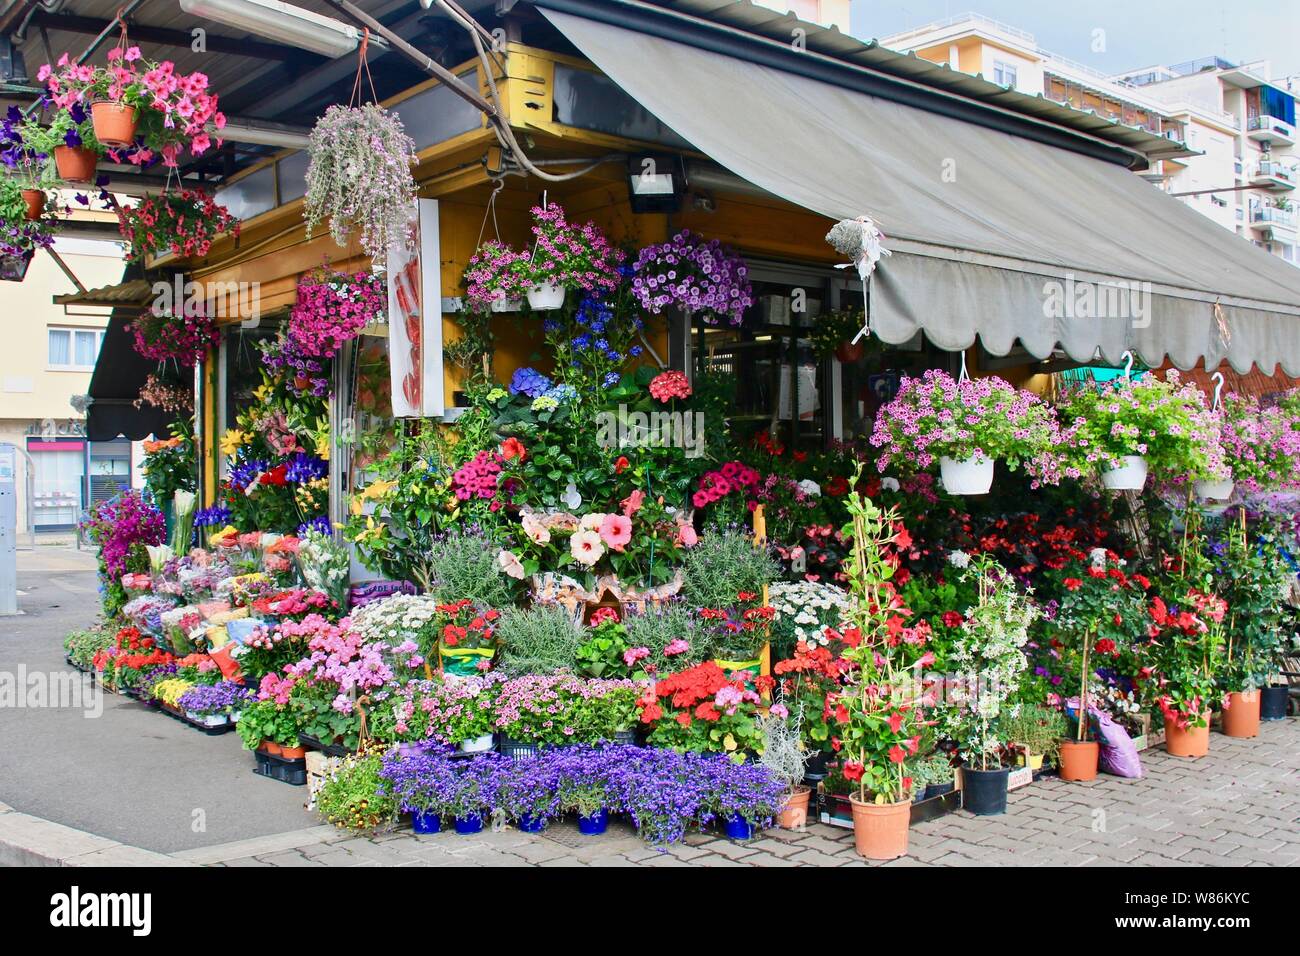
{"type": "Point", "coordinates": [1083, 687]}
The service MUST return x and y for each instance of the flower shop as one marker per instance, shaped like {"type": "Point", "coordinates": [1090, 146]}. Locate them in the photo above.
{"type": "Point", "coordinates": [586, 453]}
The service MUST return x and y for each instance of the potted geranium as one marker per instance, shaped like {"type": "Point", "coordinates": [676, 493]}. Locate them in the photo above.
{"type": "Point", "coordinates": [1134, 426]}
{"type": "Point", "coordinates": [989, 659]}
{"type": "Point", "coordinates": [360, 177]}
{"type": "Point", "coordinates": [965, 426]}
{"type": "Point", "coordinates": [467, 637]}
{"type": "Point", "coordinates": [701, 709]}
{"type": "Point", "coordinates": [568, 257]}
{"type": "Point", "coordinates": [701, 277]}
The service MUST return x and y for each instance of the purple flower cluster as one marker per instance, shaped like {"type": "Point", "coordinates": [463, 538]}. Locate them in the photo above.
{"type": "Point", "coordinates": [304, 374]}
{"type": "Point", "coordinates": [214, 517]}
{"type": "Point", "coordinates": [695, 275]}
{"type": "Point", "coordinates": [664, 792]}
{"type": "Point", "coordinates": [121, 527]}
{"type": "Point", "coordinates": [223, 697]}
{"type": "Point", "coordinates": [303, 468]}
{"type": "Point", "coordinates": [530, 382]}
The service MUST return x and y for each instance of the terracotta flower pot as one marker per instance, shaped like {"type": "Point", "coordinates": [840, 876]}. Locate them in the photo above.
{"type": "Point", "coordinates": [794, 815]}
{"type": "Point", "coordinates": [1079, 759]}
{"type": "Point", "coordinates": [35, 199]}
{"type": "Point", "coordinates": [880, 830]}
{"type": "Point", "coordinates": [1187, 741]}
{"type": "Point", "coordinates": [848, 352]}
{"type": "Point", "coordinates": [76, 164]}
{"type": "Point", "coordinates": [293, 753]}
{"type": "Point", "coordinates": [269, 747]}
{"type": "Point", "coordinates": [1241, 714]}
{"type": "Point", "coordinates": [114, 124]}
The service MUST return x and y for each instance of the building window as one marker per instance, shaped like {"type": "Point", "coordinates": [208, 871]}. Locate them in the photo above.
{"type": "Point", "coordinates": [1004, 73]}
{"type": "Point", "coordinates": [74, 349]}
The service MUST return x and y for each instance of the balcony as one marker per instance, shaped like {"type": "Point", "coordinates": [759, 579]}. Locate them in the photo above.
{"type": "Point", "coordinates": [1273, 175]}
{"type": "Point", "coordinates": [1276, 222]}
{"type": "Point", "coordinates": [1270, 129]}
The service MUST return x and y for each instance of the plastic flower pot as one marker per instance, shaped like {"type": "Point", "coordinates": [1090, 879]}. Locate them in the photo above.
{"type": "Point", "coordinates": [847, 352]}
{"type": "Point", "coordinates": [470, 824]}
{"type": "Point", "coordinates": [293, 753]}
{"type": "Point", "coordinates": [594, 824]}
{"type": "Point", "coordinates": [880, 829]}
{"type": "Point", "coordinates": [529, 824]}
{"type": "Point", "coordinates": [476, 745]}
{"type": "Point", "coordinates": [1241, 714]}
{"type": "Point", "coordinates": [984, 792]}
{"type": "Point", "coordinates": [545, 296]}
{"type": "Point", "coordinates": [114, 123]}
{"type": "Point", "coordinates": [970, 476]}
{"type": "Point", "coordinates": [269, 747]}
{"type": "Point", "coordinates": [1035, 761]}
{"type": "Point", "coordinates": [1187, 741]}
{"type": "Point", "coordinates": [1214, 490]}
{"type": "Point", "coordinates": [76, 164]}
{"type": "Point", "coordinates": [35, 199]}
{"type": "Point", "coordinates": [1130, 476]}
{"type": "Point", "coordinates": [426, 821]}
{"type": "Point", "coordinates": [1079, 759]}
{"type": "Point", "coordinates": [1272, 702]}
{"type": "Point", "coordinates": [938, 789]}
{"type": "Point", "coordinates": [794, 815]}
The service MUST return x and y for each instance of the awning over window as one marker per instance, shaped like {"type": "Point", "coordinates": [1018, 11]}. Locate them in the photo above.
{"type": "Point", "coordinates": [115, 386]}
{"type": "Point", "coordinates": [994, 235]}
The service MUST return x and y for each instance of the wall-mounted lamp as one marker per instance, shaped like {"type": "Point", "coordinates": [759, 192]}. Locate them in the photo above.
{"type": "Point", "coordinates": [656, 183]}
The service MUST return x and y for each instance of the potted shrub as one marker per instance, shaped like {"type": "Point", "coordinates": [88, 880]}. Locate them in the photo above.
{"type": "Point", "coordinates": [989, 658]}
{"type": "Point", "coordinates": [880, 727]}
{"type": "Point", "coordinates": [1038, 731]}
{"type": "Point", "coordinates": [1185, 651]}
{"type": "Point", "coordinates": [965, 426]}
{"type": "Point", "coordinates": [1134, 426]}
{"type": "Point", "coordinates": [360, 177]}
{"type": "Point", "coordinates": [700, 277]}
{"type": "Point", "coordinates": [786, 759]}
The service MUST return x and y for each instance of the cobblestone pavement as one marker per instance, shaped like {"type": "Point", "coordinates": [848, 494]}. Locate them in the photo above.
{"type": "Point", "coordinates": [1240, 806]}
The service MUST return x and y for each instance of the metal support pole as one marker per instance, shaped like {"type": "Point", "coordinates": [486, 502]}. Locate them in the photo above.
{"type": "Point", "coordinates": [8, 530]}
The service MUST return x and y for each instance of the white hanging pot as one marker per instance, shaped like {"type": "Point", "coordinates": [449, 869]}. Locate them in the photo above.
{"type": "Point", "coordinates": [1215, 490]}
{"type": "Point", "coordinates": [545, 295]}
{"type": "Point", "coordinates": [1129, 476]}
{"type": "Point", "coordinates": [476, 745]}
{"type": "Point", "coordinates": [970, 476]}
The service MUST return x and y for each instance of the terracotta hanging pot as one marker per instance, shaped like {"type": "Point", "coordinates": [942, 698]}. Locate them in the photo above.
{"type": "Point", "coordinates": [1187, 741]}
{"type": "Point", "coordinates": [850, 352]}
{"type": "Point", "coordinates": [1241, 714]}
{"type": "Point", "coordinates": [114, 123]}
{"type": "Point", "coordinates": [794, 815]}
{"type": "Point", "coordinates": [76, 164]}
{"type": "Point", "coordinates": [35, 199]}
{"type": "Point", "coordinates": [880, 830]}
{"type": "Point", "coordinates": [1079, 759]}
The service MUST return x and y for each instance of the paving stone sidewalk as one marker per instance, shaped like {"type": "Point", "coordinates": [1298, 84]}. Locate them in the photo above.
{"type": "Point", "coordinates": [1240, 806]}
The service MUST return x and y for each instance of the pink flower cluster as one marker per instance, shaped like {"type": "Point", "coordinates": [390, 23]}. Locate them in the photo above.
{"type": "Point", "coordinates": [716, 485]}
{"type": "Point", "coordinates": [576, 257]}
{"type": "Point", "coordinates": [332, 308]}
{"type": "Point", "coordinates": [666, 386]}
{"type": "Point", "coordinates": [478, 478]}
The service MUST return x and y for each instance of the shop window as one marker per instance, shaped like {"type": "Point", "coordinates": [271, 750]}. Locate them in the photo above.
{"type": "Point", "coordinates": [74, 349]}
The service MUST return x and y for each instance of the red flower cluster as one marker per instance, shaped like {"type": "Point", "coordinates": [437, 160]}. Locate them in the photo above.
{"type": "Point", "coordinates": [292, 603]}
{"type": "Point", "coordinates": [185, 222]}
{"type": "Point", "coordinates": [716, 485]}
{"type": "Point", "coordinates": [669, 385]}
{"type": "Point", "coordinates": [464, 624]}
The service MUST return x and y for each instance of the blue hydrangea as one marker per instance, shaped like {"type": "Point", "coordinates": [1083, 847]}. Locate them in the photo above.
{"type": "Point", "coordinates": [530, 382]}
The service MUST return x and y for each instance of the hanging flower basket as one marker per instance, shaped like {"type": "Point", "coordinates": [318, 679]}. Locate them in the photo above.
{"type": "Point", "coordinates": [849, 352]}
{"type": "Point", "coordinates": [1129, 475]}
{"type": "Point", "coordinates": [35, 200]}
{"type": "Point", "coordinates": [545, 296]}
{"type": "Point", "coordinates": [968, 476]}
{"type": "Point", "coordinates": [360, 178]}
{"type": "Point", "coordinates": [163, 336]}
{"type": "Point", "coordinates": [1215, 490]}
{"type": "Point", "coordinates": [699, 276]}
{"type": "Point", "coordinates": [14, 268]}
{"type": "Point", "coordinates": [333, 308]}
{"type": "Point", "coordinates": [76, 164]}
{"type": "Point", "coordinates": [184, 223]}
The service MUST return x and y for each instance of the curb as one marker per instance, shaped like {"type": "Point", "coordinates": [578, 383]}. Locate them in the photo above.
{"type": "Point", "coordinates": [26, 840]}
{"type": "Point", "coordinates": [256, 846]}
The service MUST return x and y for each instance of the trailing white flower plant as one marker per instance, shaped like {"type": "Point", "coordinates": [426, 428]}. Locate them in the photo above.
{"type": "Point", "coordinates": [360, 177]}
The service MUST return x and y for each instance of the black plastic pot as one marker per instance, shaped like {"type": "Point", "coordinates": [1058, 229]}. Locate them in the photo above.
{"type": "Point", "coordinates": [1272, 702]}
{"type": "Point", "coordinates": [815, 768]}
{"type": "Point", "coordinates": [937, 789]}
{"type": "Point", "coordinates": [984, 792]}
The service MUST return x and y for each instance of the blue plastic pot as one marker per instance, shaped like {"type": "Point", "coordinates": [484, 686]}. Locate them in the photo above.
{"type": "Point", "coordinates": [470, 824]}
{"type": "Point", "coordinates": [595, 824]}
{"type": "Point", "coordinates": [738, 828]}
{"type": "Point", "coordinates": [425, 821]}
{"type": "Point", "coordinates": [528, 824]}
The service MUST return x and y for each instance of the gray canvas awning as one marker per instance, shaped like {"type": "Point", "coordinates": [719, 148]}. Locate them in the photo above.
{"type": "Point", "coordinates": [993, 235]}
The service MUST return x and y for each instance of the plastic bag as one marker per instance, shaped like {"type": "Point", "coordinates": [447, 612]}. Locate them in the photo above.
{"type": "Point", "coordinates": [1119, 755]}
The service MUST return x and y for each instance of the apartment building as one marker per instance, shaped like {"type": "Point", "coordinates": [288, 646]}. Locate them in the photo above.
{"type": "Point", "coordinates": [47, 359]}
{"type": "Point", "coordinates": [826, 13]}
{"type": "Point", "coordinates": [1242, 124]}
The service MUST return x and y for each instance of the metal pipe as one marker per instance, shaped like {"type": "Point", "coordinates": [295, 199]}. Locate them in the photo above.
{"type": "Point", "coordinates": [104, 34]}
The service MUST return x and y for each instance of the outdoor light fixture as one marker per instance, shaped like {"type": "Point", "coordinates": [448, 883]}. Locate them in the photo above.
{"type": "Point", "coordinates": [282, 22]}
{"type": "Point", "coordinates": [655, 183]}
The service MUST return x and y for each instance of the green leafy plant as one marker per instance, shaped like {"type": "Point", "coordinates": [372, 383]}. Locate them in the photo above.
{"type": "Point", "coordinates": [722, 565]}
{"type": "Point", "coordinates": [539, 640]}
{"type": "Point", "coordinates": [836, 328]}
{"type": "Point", "coordinates": [1036, 727]}
{"type": "Point", "coordinates": [463, 565]}
{"type": "Point", "coordinates": [353, 795]}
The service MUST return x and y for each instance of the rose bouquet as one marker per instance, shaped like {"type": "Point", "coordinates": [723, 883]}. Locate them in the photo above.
{"type": "Point", "coordinates": [693, 274]}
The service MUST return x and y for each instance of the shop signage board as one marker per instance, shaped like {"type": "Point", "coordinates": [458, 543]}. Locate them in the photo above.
{"type": "Point", "coordinates": [415, 319]}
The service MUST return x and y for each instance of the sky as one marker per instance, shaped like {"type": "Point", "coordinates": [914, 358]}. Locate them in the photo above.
{"type": "Point", "coordinates": [1135, 34]}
